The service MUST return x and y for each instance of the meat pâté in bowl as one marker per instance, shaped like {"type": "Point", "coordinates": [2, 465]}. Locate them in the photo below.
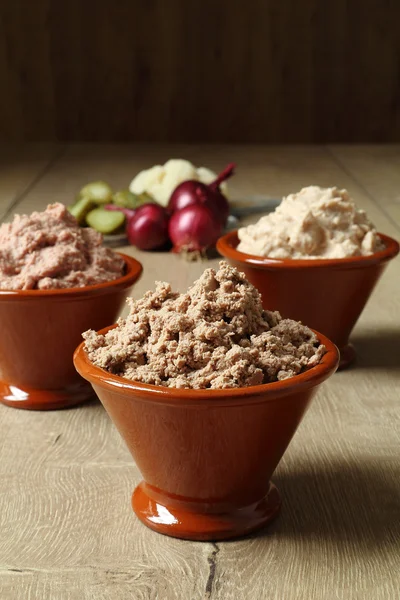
{"type": "Point", "coordinates": [207, 389]}
{"type": "Point", "coordinates": [56, 280]}
{"type": "Point", "coordinates": [317, 258]}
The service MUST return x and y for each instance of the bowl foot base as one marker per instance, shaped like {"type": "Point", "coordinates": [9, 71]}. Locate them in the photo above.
{"type": "Point", "coordinates": [347, 356]}
{"type": "Point", "coordinates": [187, 523]}
{"type": "Point", "coordinates": [34, 399]}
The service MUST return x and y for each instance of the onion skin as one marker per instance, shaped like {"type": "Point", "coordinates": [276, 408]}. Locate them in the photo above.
{"type": "Point", "coordinates": [195, 192]}
{"type": "Point", "coordinates": [218, 199]}
{"type": "Point", "coordinates": [220, 205]}
{"type": "Point", "coordinates": [194, 228]}
{"type": "Point", "coordinates": [148, 229]}
{"type": "Point", "coordinates": [188, 193]}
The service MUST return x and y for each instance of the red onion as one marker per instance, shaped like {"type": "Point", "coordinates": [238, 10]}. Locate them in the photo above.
{"type": "Point", "coordinates": [187, 193]}
{"type": "Point", "coordinates": [148, 229]}
{"type": "Point", "coordinates": [194, 228]}
{"type": "Point", "coordinates": [218, 199]}
{"type": "Point", "coordinates": [128, 212]}
{"type": "Point", "coordinates": [194, 192]}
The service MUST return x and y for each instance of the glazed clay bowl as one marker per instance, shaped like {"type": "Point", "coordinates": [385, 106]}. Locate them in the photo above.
{"type": "Point", "coordinates": [206, 456]}
{"type": "Point", "coordinates": [39, 331]}
{"type": "Point", "coordinates": [327, 295]}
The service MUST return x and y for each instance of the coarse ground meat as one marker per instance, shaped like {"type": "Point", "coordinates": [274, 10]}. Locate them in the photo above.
{"type": "Point", "coordinates": [48, 250]}
{"type": "Point", "coordinates": [215, 336]}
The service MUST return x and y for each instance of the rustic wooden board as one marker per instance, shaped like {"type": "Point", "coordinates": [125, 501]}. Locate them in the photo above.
{"type": "Point", "coordinates": [377, 170]}
{"type": "Point", "coordinates": [67, 531]}
{"type": "Point", "coordinates": [21, 167]}
{"type": "Point", "coordinates": [259, 71]}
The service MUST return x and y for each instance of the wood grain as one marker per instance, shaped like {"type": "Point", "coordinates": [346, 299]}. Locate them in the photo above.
{"type": "Point", "coordinates": [67, 531]}
{"type": "Point", "coordinates": [260, 71]}
{"type": "Point", "coordinates": [21, 166]}
{"type": "Point", "coordinates": [377, 169]}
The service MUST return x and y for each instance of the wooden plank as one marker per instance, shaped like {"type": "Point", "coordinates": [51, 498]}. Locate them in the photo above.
{"type": "Point", "coordinates": [268, 170]}
{"type": "Point", "coordinates": [66, 527]}
{"type": "Point", "coordinates": [21, 165]}
{"type": "Point", "coordinates": [268, 72]}
{"type": "Point", "coordinates": [26, 60]}
{"type": "Point", "coordinates": [377, 170]}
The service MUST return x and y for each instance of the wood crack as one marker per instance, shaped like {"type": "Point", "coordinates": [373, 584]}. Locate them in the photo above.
{"type": "Point", "coordinates": [212, 561]}
{"type": "Point", "coordinates": [16, 570]}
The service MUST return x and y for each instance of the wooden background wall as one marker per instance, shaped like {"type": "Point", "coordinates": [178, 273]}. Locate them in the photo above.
{"type": "Point", "coordinates": [200, 70]}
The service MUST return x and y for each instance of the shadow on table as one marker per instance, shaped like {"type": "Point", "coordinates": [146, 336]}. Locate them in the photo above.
{"type": "Point", "coordinates": [94, 402]}
{"type": "Point", "coordinates": [356, 503]}
{"type": "Point", "coordinates": [378, 349]}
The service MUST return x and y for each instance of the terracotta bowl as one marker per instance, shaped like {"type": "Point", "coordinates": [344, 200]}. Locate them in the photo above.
{"type": "Point", "coordinates": [206, 456]}
{"type": "Point", "coordinates": [39, 331]}
{"type": "Point", "coordinates": [327, 295]}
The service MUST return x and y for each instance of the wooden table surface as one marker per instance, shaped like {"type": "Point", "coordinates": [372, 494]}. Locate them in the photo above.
{"type": "Point", "coordinates": [67, 531]}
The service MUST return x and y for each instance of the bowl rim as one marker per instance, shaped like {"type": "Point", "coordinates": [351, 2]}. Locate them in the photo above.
{"type": "Point", "coordinates": [226, 246]}
{"type": "Point", "coordinates": [230, 396]}
{"type": "Point", "coordinates": [134, 271]}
